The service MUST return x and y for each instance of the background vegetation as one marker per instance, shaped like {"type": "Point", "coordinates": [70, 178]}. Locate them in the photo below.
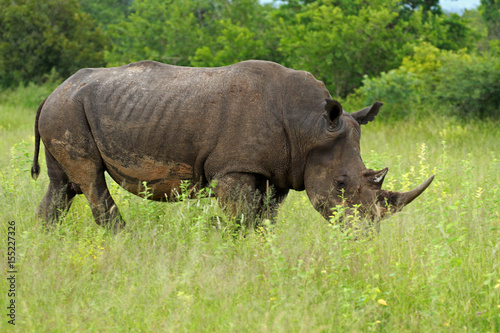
{"type": "Point", "coordinates": [434, 266]}
{"type": "Point", "coordinates": [433, 60]}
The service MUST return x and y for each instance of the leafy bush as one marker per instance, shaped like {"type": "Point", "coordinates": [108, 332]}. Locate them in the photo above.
{"type": "Point", "coordinates": [31, 95]}
{"type": "Point", "coordinates": [434, 80]}
{"type": "Point", "coordinates": [470, 86]}
{"type": "Point", "coordinates": [396, 88]}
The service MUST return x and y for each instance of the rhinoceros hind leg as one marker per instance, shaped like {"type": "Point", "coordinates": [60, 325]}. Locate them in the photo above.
{"type": "Point", "coordinates": [60, 193]}
{"type": "Point", "coordinates": [83, 173]}
{"type": "Point", "coordinates": [88, 178]}
{"type": "Point", "coordinates": [103, 207]}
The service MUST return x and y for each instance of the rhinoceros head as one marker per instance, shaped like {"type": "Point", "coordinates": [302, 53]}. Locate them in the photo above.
{"type": "Point", "coordinates": [336, 175]}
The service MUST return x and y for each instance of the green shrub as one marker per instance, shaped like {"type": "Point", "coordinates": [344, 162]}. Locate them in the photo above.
{"type": "Point", "coordinates": [396, 88]}
{"type": "Point", "coordinates": [433, 80]}
{"type": "Point", "coordinates": [27, 96]}
{"type": "Point", "coordinates": [470, 86]}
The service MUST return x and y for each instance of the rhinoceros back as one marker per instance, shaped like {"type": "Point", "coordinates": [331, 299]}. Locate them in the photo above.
{"type": "Point", "coordinates": [154, 121]}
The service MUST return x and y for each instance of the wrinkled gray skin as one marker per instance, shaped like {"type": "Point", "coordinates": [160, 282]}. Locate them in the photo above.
{"type": "Point", "coordinates": [255, 127]}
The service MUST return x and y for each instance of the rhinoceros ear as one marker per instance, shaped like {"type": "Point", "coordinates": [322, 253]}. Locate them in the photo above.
{"type": "Point", "coordinates": [366, 115]}
{"type": "Point", "coordinates": [333, 112]}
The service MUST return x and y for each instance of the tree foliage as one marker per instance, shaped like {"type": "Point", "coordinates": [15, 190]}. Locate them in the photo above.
{"type": "Point", "coordinates": [158, 30]}
{"type": "Point", "coordinates": [347, 44]}
{"type": "Point", "coordinates": [37, 36]}
{"type": "Point", "coordinates": [106, 12]}
{"type": "Point", "coordinates": [234, 43]}
{"type": "Point", "coordinates": [409, 7]}
{"type": "Point", "coordinates": [490, 10]}
{"type": "Point", "coordinates": [340, 48]}
{"type": "Point", "coordinates": [189, 32]}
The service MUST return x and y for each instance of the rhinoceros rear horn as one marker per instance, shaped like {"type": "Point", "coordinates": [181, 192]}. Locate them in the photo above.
{"type": "Point", "coordinates": [404, 198]}
{"type": "Point", "coordinates": [378, 177]}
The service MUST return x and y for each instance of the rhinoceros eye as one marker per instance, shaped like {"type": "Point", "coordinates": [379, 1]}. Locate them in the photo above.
{"type": "Point", "coordinates": [340, 184]}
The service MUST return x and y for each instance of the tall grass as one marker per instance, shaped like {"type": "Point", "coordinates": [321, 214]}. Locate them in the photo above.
{"type": "Point", "coordinates": [434, 266]}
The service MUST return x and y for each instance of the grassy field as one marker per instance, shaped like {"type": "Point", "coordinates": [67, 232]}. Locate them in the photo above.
{"type": "Point", "coordinates": [433, 267]}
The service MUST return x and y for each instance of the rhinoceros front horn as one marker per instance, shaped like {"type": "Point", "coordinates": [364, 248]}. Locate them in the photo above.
{"type": "Point", "coordinates": [405, 198]}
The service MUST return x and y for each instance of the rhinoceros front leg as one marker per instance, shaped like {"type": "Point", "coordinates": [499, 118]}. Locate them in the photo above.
{"type": "Point", "coordinates": [238, 197]}
{"type": "Point", "coordinates": [246, 197]}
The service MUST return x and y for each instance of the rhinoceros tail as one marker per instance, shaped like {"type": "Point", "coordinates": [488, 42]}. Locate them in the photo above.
{"type": "Point", "coordinates": [35, 169]}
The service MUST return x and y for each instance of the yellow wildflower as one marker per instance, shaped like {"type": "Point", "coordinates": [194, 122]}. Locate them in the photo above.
{"type": "Point", "coordinates": [382, 302]}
